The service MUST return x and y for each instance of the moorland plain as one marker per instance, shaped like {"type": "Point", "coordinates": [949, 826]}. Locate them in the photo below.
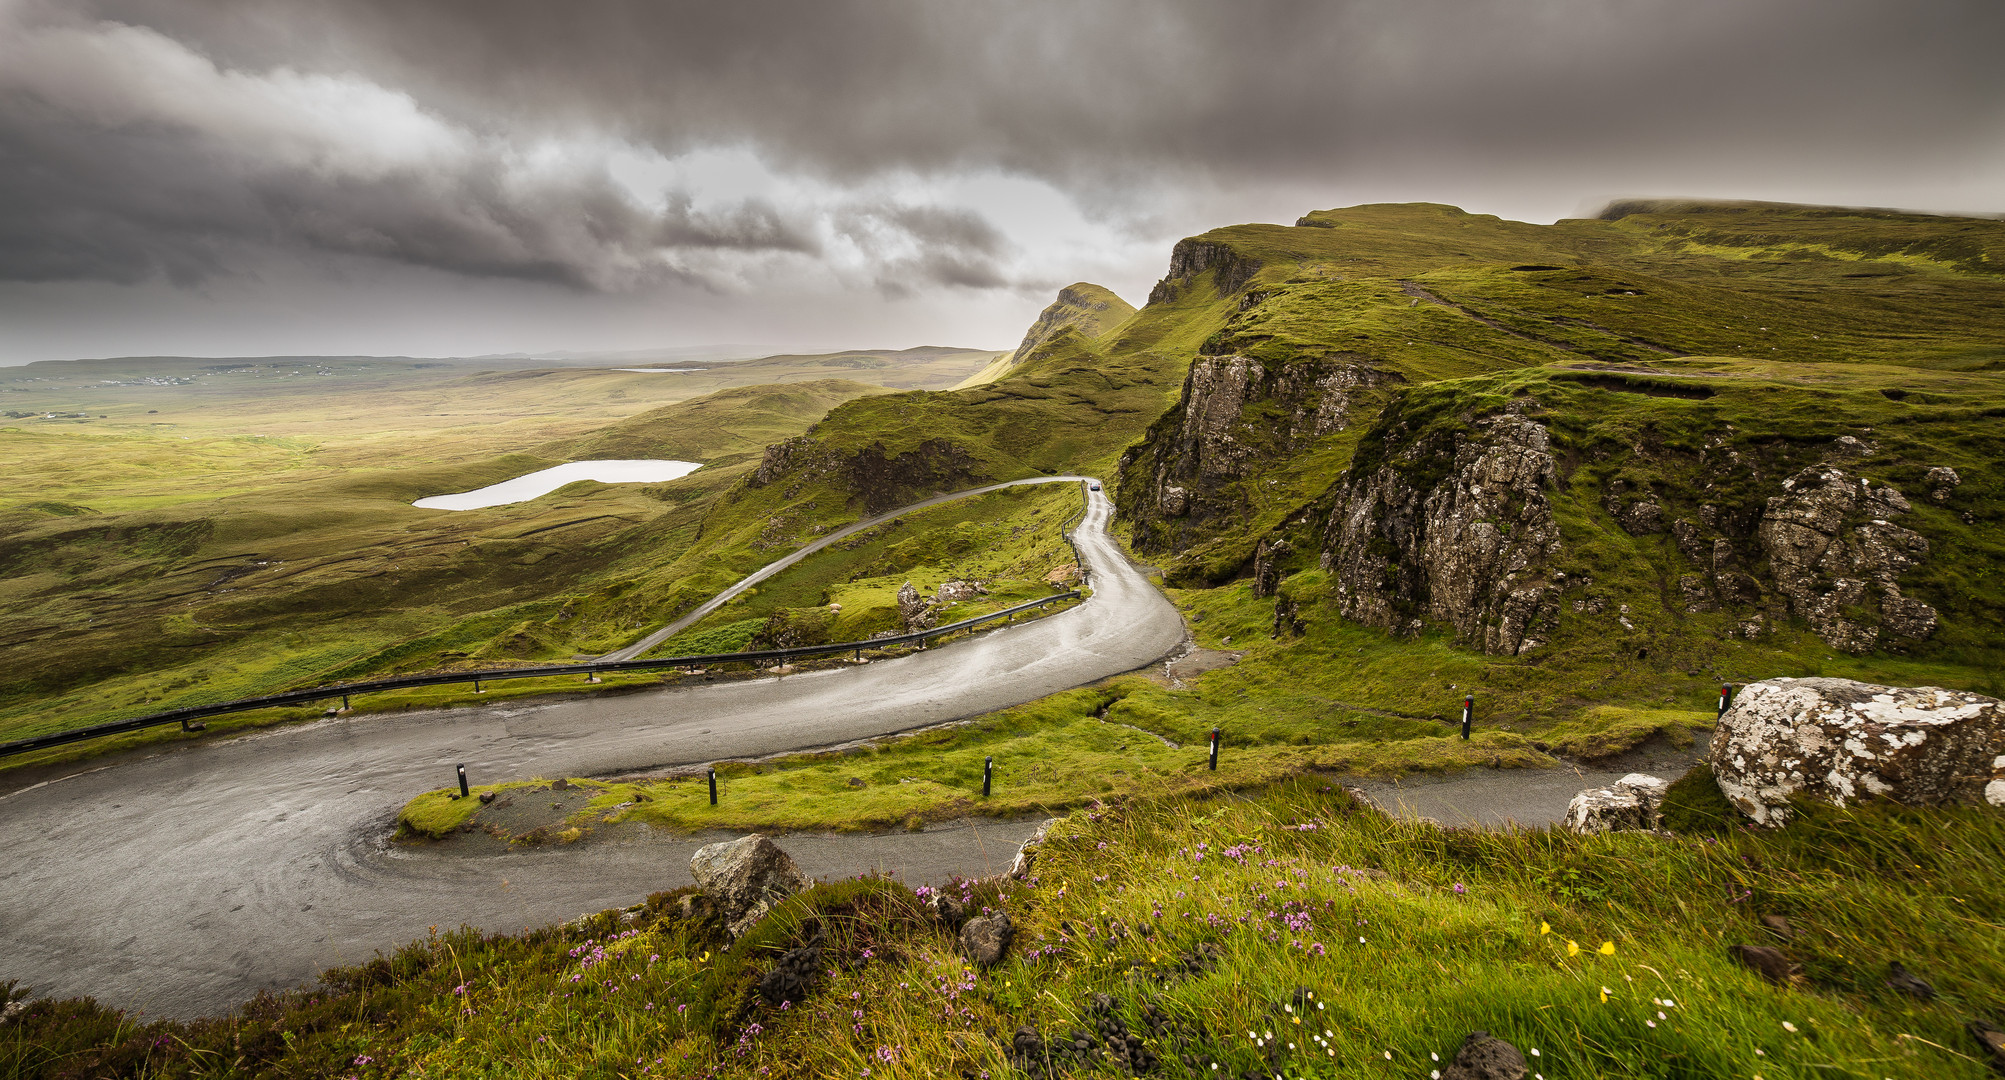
{"type": "Point", "coordinates": [214, 529]}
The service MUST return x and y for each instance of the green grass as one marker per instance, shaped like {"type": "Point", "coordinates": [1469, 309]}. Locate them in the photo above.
{"type": "Point", "coordinates": [1369, 944]}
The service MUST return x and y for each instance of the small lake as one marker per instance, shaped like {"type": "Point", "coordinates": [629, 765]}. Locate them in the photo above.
{"type": "Point", "coordinates": [538, 484]}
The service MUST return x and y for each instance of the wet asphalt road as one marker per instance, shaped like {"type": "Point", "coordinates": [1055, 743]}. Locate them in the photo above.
{"type": "Point", "coordinates": [182, 881]}
{"type": "Point", "coordinates": [1498, 798]}
{"type": "Point", "coordinates": [641, 647]}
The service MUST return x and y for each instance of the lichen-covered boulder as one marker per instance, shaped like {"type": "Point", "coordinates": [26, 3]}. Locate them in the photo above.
{"type": "Point", "coordinates": [1839, 740]}
{"type": "Point", "coordinates": [1635, 802]}
{"type": "Point", "coordinates": [745, 878]}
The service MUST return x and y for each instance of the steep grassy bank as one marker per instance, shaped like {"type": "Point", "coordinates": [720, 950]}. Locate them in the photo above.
{"type": "Point", "coordinates": [1286, 931]}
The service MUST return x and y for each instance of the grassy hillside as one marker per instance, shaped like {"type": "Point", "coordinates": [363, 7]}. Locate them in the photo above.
{"type": "Point", "coordinates": [1288, 932]}
{"type": "Point", "coordinates": [1083, 308]}
{"type": "Point", "coordinates": [1668, 370]}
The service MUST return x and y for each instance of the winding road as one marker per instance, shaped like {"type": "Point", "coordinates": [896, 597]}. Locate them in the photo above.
{"type": "Point", "coordinates": [181, 881]}
{"type": "Point", "coordinates": [641, 647]}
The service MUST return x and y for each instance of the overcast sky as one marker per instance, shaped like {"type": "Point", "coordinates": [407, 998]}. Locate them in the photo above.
{"type": "Point", "coordinates": [457, 177]}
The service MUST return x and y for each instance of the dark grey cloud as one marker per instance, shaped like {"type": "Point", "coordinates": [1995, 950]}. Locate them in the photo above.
{"type": "Point", "coordinates": [143, 138]}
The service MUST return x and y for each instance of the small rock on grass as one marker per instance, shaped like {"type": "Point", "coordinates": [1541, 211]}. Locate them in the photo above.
{"type": "Point", "coordinates": [1767, 962]}
{"type": "Point", "coordinates": [1779, 926]}
{"type": "Point", "coordinates": [793, 977]}
{"type": "Point", "coordinates": [1901, 979]}
{"type": "Point", "coordinates": [1993, 1041]}
{"type": "Point", "coordinates": [985, 938]}
{"type": "Point", "coordinates": [949, 910]}
{"type": "Point", "coordinates": [1485, 1057]}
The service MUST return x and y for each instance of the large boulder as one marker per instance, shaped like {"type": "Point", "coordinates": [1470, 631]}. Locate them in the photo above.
{"type": "Point", "coordinates": [1635, 802]}
{"type": "Point", "coordinates": [1838, 740]}
{"type": "Point", "coordinates": [746, 878]}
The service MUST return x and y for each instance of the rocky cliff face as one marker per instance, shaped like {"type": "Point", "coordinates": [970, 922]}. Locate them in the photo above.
{"type": "Point", "coordinates": [1835, 556]}
{"type": "Point", "coordinates": [1452, 528]}
{"type": "Point", "coordinates": [1192, 257]}
{"type": "Point", "coordinates": [879, 479]}
{"type": "Point", "coordinates": [1236, 416]}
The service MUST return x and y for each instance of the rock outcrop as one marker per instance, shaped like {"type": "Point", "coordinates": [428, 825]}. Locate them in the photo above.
{"type": "Point", "coordinates": [1236, 417]}
{"type": "Point", "coordinates": [1633, 803]}
{"type": "Point", "coordinates": [745, 878]}
{"type": "Point", "coordinates": [915, 611]}
{"type": "Point", "coordinates": [1835, 556]}
{"type": "Point", "coordinates": [1839, 740]}
{"type": "Point", "coordinates": [1193, 256]}
{"type": "Point", "coordinates": [1453, 528]}
{"type": "Point", "coordinates": [953, 592]}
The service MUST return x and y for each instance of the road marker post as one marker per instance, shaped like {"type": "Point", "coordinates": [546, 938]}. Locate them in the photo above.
{"type": "Point", "coordinates": [1468, 712]}
{"type": "Point", "coordinates": [463, 789]}
{"type": "Point", "coordinates": [988, 774]}
{"type": "Point", "coordinates": [1214, 749]}
{"type": "Point", "coordinates": [713, 787]}
{"type": "Point", "coordinates": [1726, 699]}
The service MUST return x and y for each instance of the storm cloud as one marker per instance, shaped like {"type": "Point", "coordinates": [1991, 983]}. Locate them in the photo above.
{"type": "Point", "coordinates": [623, 146]}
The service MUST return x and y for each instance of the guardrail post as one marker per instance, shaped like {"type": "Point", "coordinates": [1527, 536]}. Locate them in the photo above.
{"type": "Point", "coordinates": [476, 687]}
{"type": "Point", "coordinates": [713, 787]}
{"type": "Point", "coordinates": [1726, 699]}
{"type": "Point", "coordinates": [196, 726]}
{"type": "Point", "coordinates": [463, 790]}
{"type": "Point", "coordinates": [1468, 712]}
{"type": "Point", "coordinates": [1214, 749]}
{"type": "Point", "coordinates": [344, 703]}
{"type": "Point", "coordinates": [988, 774]}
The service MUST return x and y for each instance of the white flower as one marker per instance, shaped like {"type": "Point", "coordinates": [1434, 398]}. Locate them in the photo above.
{"type": "Point", "coordinates": [1535, 1051]}
{"type": "Point", "coordinates": [1789, 1027]}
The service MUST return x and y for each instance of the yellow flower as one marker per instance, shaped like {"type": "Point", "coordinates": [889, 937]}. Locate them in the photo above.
{"type": "Point", "coordinates": [1572, 948]}
{"type": "Point", "coordinates": [1608, 948]}
{"type": "Point", "coordinates": [1545, 928]}
{"type": "Point", "coordinates": [1604, 995]}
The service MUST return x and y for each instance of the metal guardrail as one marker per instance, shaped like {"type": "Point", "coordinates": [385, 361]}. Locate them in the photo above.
{"type": "Point", "coordinates": [1072, 526]}
{"type": "Point", "coordinates": [311, 695]}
